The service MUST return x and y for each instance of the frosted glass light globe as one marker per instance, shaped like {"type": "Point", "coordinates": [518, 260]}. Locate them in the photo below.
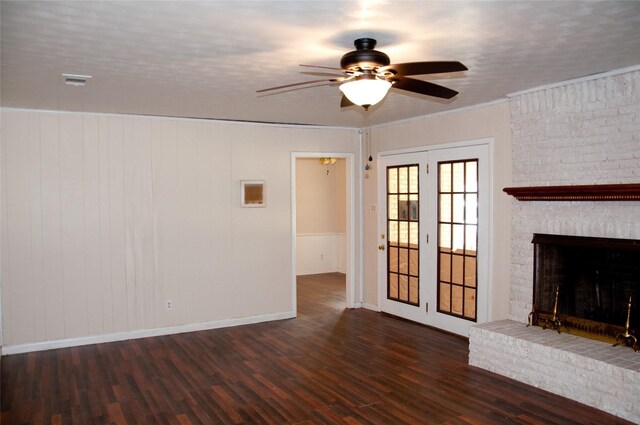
{"type": "Point", "coordinates": [365, 92]}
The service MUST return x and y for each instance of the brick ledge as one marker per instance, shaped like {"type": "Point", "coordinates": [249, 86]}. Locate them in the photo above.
{"type": "Point", "coordinates": [588, 371]}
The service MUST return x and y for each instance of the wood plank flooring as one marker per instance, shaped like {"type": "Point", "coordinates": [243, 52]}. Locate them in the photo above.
{"type": "Point", "coordinates": [328, 366]}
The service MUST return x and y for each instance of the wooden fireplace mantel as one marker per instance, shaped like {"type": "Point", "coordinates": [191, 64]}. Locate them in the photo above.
{"type": "Point", "coordinates": [598, 192]}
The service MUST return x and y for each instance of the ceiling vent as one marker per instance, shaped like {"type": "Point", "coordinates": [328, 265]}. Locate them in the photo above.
{"type": "Point", "coordinates": [76, 80]}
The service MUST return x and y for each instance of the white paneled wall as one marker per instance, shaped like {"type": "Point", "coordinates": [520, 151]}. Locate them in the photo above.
{"type": "Point", "coordinates": [106, 217]}
{"type": "Point", "coordinates": [320, 253]}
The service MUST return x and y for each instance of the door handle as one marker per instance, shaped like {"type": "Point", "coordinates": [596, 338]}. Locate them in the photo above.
{"type": "Point", "coordinates": [381, 247]}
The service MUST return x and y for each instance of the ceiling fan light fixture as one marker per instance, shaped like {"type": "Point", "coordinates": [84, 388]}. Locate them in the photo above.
{"type": "Point", "coordinates": [368, 75]}
{"type": "Point", "coordinates": [365, 90]}
{"type": "Point", "coordinates": [328, 161]}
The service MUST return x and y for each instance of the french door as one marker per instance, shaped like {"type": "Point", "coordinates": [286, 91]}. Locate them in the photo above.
{"type": "Point", "coordinates": [433, 236]}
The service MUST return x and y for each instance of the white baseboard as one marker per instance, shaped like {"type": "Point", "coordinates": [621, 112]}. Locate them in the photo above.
{"type": "Point", "coordinates": [370, 306]}
{"type": "Point", "coordinates": [144, 333]}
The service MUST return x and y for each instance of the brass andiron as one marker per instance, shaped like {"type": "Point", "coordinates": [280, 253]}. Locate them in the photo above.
{"type": "Point", "coordinates": [542, 319]}
{"type": "Point", "coordinates": [531, 315]}
{"type": "Point", "coordinates": [554, 323]}
{"type": "Point", "coordinates": [626, 338]}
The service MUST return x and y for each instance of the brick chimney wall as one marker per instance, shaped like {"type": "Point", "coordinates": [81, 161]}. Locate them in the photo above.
{"type": "Point", "coordinates": [581, 133]}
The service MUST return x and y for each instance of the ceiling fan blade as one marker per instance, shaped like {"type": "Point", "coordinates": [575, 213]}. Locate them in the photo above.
{"type": "Point", "coordinates": [420, 68]}
{"type": "Point", "coordinates": [324, 80]}
{"type": "Point", "coordinates": [292, 89]}
{"type": "Point", "coordinates": [323, 67]}
{"type": "Point", "coordinates": [322, 74]}
{"type": "Point", "coordinates": [345, 102]}
{"type": "Point", "coordinates": [423, 87]}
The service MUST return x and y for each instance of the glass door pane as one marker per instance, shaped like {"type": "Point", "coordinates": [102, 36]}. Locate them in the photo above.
{"type": "Point", "coordinates": [457, 238]}
{"type": "Point", "coordinates": [403, 251]}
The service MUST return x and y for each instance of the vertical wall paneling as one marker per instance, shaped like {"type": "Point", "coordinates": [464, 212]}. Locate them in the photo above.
{"type": "Point", "coordinates": [92, 246]}
{"type": "Point", "coordinates": [116, 214]}
{"type": "Point", "coordinates": [211, 180]}
{"type": "Point", "coordinates": [129, 208]}
{"type": "Point", "coordinates": [320, 253]}
{"type": "Point", "coordinates": [106, 217]}
{"type": "Point", "coordinates": [165, 215]}
{"type": "Point", "coordinates": [139, 223]}
{"type": "Point", "coordinates": [35, 218]}
{"type": "Point", "coordinates": [221, 242]}
{"type": "Point", "coordinates": [51, 226]}
{"type": "Point", "coordinates": [147, 268]}
{"type": "Point", "coordinates": [106, 290]}
{"type": "Point", "coordinates": [257, 231]}
{"type": "Point", "coordinates": [203, 218]}
{"type": "Point", "coordinates": [72, 224]}
{"type": "Point", "coordinates": [187, 222]}
{"type": "Point", "coordinates": [18, 229]}
{"type": "Point", "coordinates": [201, 215]}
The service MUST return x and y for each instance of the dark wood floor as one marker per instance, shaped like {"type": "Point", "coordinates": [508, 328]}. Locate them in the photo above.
{"type": "Point", "coordinates": [328, 366]}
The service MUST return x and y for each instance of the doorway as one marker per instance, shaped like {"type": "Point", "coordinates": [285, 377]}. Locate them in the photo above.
{"type": "Point", "coordinates": [433, 228]}
{"type": "Point", "coordinates": [323, 217]}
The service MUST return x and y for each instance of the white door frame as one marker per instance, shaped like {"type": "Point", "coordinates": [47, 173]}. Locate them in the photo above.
{"type": "Point", "coordinates": [350, 236]}
{"type": "Point", "coordinates": [382, 196]}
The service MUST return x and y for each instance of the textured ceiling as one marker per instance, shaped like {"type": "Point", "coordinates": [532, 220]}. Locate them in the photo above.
{"type": "Point", "coordinates": [207, 59]}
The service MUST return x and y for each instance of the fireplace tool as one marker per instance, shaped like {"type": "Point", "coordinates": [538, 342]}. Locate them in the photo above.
{"type": "Point", "coordinates": [626, 338]}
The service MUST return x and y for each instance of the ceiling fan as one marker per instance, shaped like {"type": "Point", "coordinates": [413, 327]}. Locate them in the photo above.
{"type": "Point", "coordinates": [369, 74]}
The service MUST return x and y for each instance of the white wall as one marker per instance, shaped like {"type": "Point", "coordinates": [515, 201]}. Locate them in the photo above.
{"type": "Point", "coordinates": [105, 217]}
{"type": "Point", "coordinates": [575, 134]}
{"type": "Point", "coordinates": [321, 216]}
{"type": "Point", "coordinates": [481, 122]}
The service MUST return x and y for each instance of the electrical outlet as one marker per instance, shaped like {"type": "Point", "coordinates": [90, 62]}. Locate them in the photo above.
{"type": "Point", "coordinates": [169, 305]}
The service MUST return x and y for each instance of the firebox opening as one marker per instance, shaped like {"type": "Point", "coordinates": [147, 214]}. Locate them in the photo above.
{"type": "Point", "coordinates": [595, 278]}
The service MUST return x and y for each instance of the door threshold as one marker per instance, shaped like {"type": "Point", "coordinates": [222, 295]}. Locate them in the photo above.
{"type": "Point", "coordinates": [393, 316]}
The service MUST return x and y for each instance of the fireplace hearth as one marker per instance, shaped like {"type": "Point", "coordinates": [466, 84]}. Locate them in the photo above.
{"type": "Point", "coordinates": [587, 286]}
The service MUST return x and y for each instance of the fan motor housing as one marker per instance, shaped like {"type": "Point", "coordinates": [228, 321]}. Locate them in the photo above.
{"type": "Point", "coordinates": [364, 57]}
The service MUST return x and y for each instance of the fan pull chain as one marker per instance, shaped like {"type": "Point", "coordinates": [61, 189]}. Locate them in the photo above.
{"type": "Point", "coordinates": [368, 142]}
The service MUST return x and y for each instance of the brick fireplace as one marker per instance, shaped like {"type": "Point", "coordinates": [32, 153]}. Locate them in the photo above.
{"type": "Point", "coordinates": [580, 133]}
